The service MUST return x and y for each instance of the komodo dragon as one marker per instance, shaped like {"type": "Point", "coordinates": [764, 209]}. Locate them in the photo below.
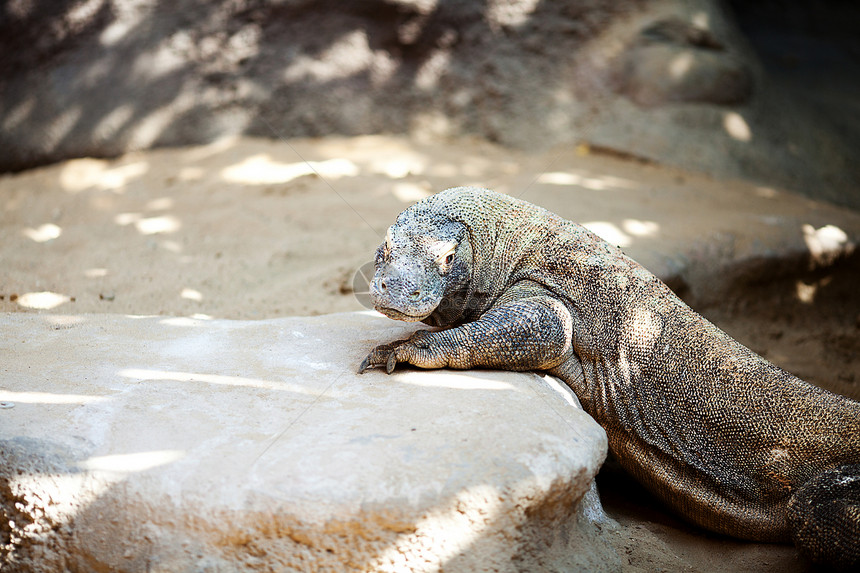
{"type": "Point", "coordinates": [730, 441]}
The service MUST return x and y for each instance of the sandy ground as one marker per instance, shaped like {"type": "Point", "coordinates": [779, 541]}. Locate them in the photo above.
{"type": "Point", "coordinates": [250, 228]}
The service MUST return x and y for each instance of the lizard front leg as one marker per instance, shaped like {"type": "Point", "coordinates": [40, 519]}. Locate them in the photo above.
{"type": "Point", "coordinates": [532, 333]}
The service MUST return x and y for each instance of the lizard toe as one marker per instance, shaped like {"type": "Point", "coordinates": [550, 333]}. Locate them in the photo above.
{"type": "Point", "coordinates": [391, 363]}
{"type": "Point", "coordinates": [378, 356]}
{"type": "Point", "coordinates": [419, 350]}
{"type": "Point", "coordinates": [406, 352]}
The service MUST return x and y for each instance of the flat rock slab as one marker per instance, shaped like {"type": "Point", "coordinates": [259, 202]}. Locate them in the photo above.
{"type": "Point", "coordinates": [177, 444]}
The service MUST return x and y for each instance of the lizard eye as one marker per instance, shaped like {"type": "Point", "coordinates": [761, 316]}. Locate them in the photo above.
{"type": "Point", "coordinates": [447, 257]}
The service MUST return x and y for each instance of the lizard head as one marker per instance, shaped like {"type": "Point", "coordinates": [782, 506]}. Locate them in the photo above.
{"type": "Point", "coordinates": [423, 270]}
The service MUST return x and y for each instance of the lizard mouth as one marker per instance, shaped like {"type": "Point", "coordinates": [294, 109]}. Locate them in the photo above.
{"type": "Point", "coordinates": [398, 315]}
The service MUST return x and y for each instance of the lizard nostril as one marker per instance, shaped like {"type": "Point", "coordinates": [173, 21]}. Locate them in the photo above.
{"type": "Point", "coordinates": [382, 285]}
{"type": "Point", "coordinates": [415, 295]}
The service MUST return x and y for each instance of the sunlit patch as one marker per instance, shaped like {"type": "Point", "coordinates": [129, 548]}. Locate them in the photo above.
{"type": "Point", "coordinates": [398, 168]}
{"type": "Point", "coordinates": [63, 321]}
{"type": "Point", "coordinates": [349, 55]}
{"type": "Point", "coordinates": [119, 177]}
{"type": "Point", "coordinates": [643, 330]}
{"type": "Point", "coordinates": [609, 232]}
{"type": "Point", "coordinates": [129, 463]}
{"type": "Point", "coordinates": [210, 150]}
{"type": "Point", "coordinates": [191, 174]}
{"type": "Point", "coordinates": [59, 497]}
{"type": "Point", "coordinates": [181, 321]}
{"type": "Point", "coordinates": [156, 225]}
{"type": "Point", "coordinates": [778, 455]}
{"type": "Point", "coordinates": [639, 228]}
{"type": "Point", "coordinates": [18, 114]}
{"type": "Point", "coordinates": [736, 126]}
{"type": "Point", "coordinates": [150, 225]}
{"type": "Point", "coordinates": [371, 313]}
{"type": "Point", "coordinates": [511, 13]}
{"type": "Point", "coordinates": [169, 376]}
{"type": "Point", "coordinates": [454, 380]}
{"type": "Point", "coordinates": [42, 300]}
{"type": "Point", "coordinates": [191, 294]}
{"type": "Point", "coordinates": [48, 398]}
{"type": "Point", "coordinates": [95, 273]}
{"type": "Point", "coordinates": [160, 204]}
{"type": "Point", "coordinates": [115, 120]}
{"type": "Point", "coordinates": [384, 67]}
{"type": "Point", "coordinates": [827, 243]}
{"type": "Point", "coordinates": [261, 169]}
{"type": "Point", "coordinates": [43, 233]}
{"type": "Point", "coordinates": [149, 128]}
{"type": "Point", "coordinates": [562, 390]}
{"type": "Point", "coordinates": [766, 192]}
{"type": "Point", "coordinates": [432, 70]}
{"type": "Point", "coordinates": [409, 192]}
{"type": "Point", "coordinates": [172, 246]}
{"type": "Point", "coordinates": [116, 31]}
{"type": "Point", "coordinates": [805, 292]}
{"type": "Point", "coordinates": [435, 123]}
{"type": "Point", "coordinates": [81, 174]}
{"type": "Point", "coordinates": [595, 183]}
{"type": "Point", "coordinates": [123, 219]}
{"type": "Point", "coordinates": [62, 125]}
{"type": "Point", "coordinates": [681, 64]}
{"type": "Point", "coordinates": [444, 532]}
{"type": "Point", "coordinates": [701, 20]}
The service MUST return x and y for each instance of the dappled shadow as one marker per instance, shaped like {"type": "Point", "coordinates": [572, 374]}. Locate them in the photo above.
{"type": "Point", "coordinates": [107, 232]}
{"type": "Point", "coordinates": [246, 228]}
{"type": "Point", "coordinates": [105, 78]}
{"type": "Point", "coordinates": [101, 77]}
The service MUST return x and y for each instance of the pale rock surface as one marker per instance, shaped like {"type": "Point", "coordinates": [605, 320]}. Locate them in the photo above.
{"type": "Point", "coordinates": [178, 444]}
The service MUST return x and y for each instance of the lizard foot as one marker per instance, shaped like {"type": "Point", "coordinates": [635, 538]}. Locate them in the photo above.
{"type": "Point", "coordinates": [414, 350]}
{"type": "Point", "coordinates": [825, 517]}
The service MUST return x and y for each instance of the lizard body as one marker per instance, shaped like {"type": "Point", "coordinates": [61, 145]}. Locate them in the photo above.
{"type": "Point", "coordinates": [728, 440]}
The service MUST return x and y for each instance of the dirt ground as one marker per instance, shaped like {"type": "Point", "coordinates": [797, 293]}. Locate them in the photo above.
{"type": "Point", "coordinates": [249, 229]}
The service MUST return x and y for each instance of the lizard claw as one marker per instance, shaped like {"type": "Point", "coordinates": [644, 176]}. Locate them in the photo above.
{"type": "Point", "coordinates": [378, 358]}
{"type": "Point", "coordinates": [381, 356]}
{"type": "Point", "coordinates": [391, 363]}
{"type": "Point", "coordinates": [388, 355]}
{"type": "Point", "coordinates": [365, 364]}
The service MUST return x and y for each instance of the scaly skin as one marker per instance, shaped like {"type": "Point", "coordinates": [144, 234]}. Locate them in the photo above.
{"type": "Point", "coordinates": [730, 441]}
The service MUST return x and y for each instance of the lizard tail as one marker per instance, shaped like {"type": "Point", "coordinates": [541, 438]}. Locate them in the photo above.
{"type": "Point", "coordinates": [824, 514]}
